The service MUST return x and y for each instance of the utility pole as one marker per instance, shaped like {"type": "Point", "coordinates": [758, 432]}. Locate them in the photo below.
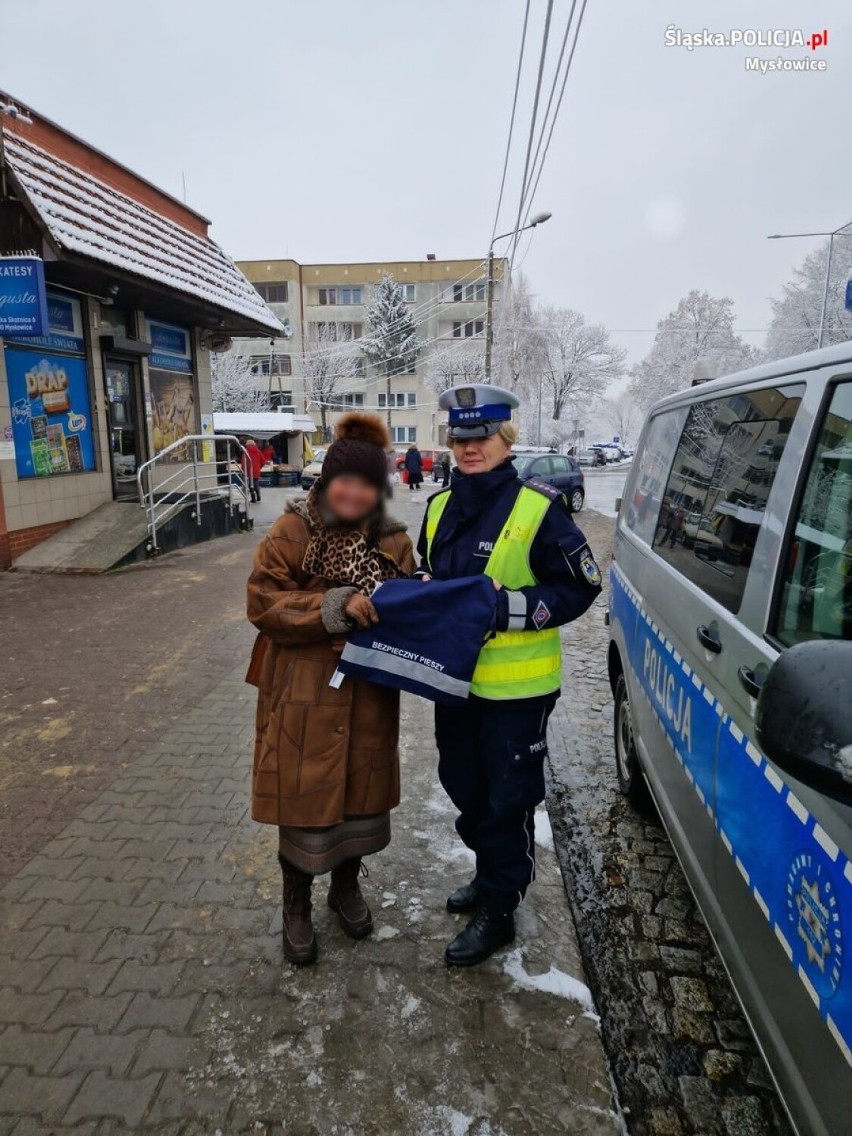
{"type": "Point", "coordinates": [539, 219]}
{"type": "Point", "coordinates": [489, 314]}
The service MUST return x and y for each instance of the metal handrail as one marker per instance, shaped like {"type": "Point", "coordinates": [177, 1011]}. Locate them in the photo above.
{"type": "Point", "coordinates": [192, 479]}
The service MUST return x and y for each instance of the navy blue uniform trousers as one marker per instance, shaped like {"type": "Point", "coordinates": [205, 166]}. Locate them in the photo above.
{"type": "Point", "coordinates": [491, 764]}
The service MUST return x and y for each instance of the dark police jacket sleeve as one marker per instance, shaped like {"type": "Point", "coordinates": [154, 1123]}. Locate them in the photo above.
{"type": "Point", "coordinates": [569, 580]}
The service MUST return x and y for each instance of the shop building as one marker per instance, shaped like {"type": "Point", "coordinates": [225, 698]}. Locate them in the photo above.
{"type": "Point", "coordinates": [137, 296]}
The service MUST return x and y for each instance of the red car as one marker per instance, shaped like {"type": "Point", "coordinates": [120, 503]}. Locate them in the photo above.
{"type": "Point", "coordinates": [429, 458]}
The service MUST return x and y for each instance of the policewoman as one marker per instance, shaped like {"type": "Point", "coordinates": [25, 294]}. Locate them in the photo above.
{"type": "Point", "coordinates": [492, 750]}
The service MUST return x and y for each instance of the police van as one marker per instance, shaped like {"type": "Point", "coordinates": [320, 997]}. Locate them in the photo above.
{"type": "Point", "coordinates": [730, 660]}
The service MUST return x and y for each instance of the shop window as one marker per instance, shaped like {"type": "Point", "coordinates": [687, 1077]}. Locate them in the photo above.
{"type": "Point", "coordinates": [720, 480]}
{"type": "Point", "coordinates": [816, 596]}
{"type": "Point", "coordinates": [49, 397]}
{"type": "Point", "coordinates": [273, 293]}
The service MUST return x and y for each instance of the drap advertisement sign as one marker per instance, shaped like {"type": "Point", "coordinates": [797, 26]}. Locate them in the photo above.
{"type": "Point", "coordinates": [23, 301]}
{"type": "Point", "coordinates": [51, 425]}
{"type": "Point", "coordinates": [49, 394]}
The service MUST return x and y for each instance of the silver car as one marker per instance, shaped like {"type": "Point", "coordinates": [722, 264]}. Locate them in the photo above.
{"type": "Point", "coordinates": [730, 661]}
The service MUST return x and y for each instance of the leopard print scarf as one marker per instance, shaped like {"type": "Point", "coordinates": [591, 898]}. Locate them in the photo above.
{"type": "Point", "coordinates": [346, 556]}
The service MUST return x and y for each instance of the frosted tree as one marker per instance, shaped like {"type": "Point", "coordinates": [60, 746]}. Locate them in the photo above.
{"type": "Point", "coordinates": [517, 350]}
{"type": "Point", "coordinates": [579, 361]}
{"type": "Point", "coordinates": [695, 339]}
{"type": "Point", "coordinates": [330, 361]}
{"type": "Point", "coordinates": [797, 312]}
{"type": "Point", "coordinates": [455, 365]}
{"type": "Point", "coordinates": [390, 343]}
{"type": "Point", "coordinates": [621, 414]}
{"type": "Point", "coordinates": [235, 383]}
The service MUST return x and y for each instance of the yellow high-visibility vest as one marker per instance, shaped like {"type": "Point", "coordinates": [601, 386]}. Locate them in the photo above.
{"type": "Point", "coordinates": [514, 664]}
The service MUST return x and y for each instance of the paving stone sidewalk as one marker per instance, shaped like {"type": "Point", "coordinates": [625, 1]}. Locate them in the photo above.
{"type": "Point", "coordinates": [142, 987]}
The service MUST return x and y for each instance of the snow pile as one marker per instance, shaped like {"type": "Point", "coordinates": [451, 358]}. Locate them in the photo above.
{"type": "Point", "coordinates": [543, 831]}
{"type": "Point", "coordinates": [554, 982]}
{"type": "Point", "coordinates": [843, 762]}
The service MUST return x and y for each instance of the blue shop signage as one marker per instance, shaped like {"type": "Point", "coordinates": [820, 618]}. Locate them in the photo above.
{"type": "Point", "coordinates": [171, 349]}
{"type": "Point", "coordinates": [23, 302]}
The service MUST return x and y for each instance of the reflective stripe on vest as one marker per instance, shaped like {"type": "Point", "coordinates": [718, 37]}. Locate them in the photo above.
{"type": "Point", "coordinates": [514, 664]}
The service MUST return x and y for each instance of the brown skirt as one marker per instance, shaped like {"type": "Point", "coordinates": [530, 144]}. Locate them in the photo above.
{"type": "Point", "coordinates": [318, 850]}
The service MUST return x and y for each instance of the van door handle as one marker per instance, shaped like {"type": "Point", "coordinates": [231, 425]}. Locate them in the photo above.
{"type": "Point", "coordinates": [709, 639]}
{"type": "Point", "coordinates": [749, 681]}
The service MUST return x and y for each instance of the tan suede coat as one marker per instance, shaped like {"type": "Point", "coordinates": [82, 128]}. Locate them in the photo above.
{"type": "Point", "coordinates": [320, 754]}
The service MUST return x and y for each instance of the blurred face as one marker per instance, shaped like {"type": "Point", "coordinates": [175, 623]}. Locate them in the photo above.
{"type": "Point", "coordinates": [479, 455]}
{"type": "Point", "coordinates": [351, 498]}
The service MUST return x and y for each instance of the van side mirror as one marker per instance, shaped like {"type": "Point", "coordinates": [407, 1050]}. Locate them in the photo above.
{"type": "Point", "coordinates": [804, 716]}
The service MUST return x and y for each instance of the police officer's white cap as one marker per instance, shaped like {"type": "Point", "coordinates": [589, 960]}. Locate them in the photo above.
{"type": "Point", "coordinates": [477, 410]}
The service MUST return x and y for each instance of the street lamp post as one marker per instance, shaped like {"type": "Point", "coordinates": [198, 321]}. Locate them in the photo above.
{"type": "Point", "coordinates": [831, 235]}
{"type": "Point", "coordinates": [539, 219]}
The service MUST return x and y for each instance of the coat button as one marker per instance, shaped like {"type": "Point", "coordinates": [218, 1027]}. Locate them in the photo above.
{"type": "Point", "coordinates": [517, 757]}
{"type": "Point", "coordinates": [339, 730]}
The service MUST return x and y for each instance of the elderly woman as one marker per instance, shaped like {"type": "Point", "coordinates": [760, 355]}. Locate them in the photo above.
{"type": "Point", "coordinates": [326, 766]}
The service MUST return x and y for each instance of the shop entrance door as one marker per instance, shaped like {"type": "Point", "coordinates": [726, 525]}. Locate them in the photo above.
{"type": "Point", "coordinates": [127, 436]}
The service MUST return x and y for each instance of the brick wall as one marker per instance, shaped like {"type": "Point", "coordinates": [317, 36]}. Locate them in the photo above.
{"type": "Point", "coordinates": [14, 544]}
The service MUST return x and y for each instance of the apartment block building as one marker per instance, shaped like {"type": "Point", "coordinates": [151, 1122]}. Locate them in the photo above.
{"type": "Point", "coordinates": [322, 306]}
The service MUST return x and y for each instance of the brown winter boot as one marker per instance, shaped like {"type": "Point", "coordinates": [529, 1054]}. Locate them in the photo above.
{"type": "Point", "coordinates": [300, 942]}
{"type": "Point", "coordinates": [346, 899]}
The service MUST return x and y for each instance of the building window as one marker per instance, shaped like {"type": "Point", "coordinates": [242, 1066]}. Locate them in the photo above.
{"type": "Point", "coordinates": [469, 293]}
{"type": "Point", "coordinates": [816, 596]}
{"type": "Point", "coordinates": [409, 292]}
{"type": "Point", "coordinates": [273, 293]}
{"type": "Point", "coordinates": [275, 365]}
{"type": "Point", "coordinates": [715, 498]}
{"type": "Point", "coordinates": [338, 332]}
{"type": "Point", "coordinates": [282, 399]}
{"type": "Point", "coordinates": [468, 329]}
{"type": "Point", "coordinates": [345, 296]}
{"type": "Point", "coordinates": [398, 400]}
{"type": "Point", "coordinates": [346, 401]}
{"type": "Point", "coordinates": [404, 434]}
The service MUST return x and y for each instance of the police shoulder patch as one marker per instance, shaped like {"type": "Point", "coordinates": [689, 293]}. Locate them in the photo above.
{"type": "Point", "coordinates": [543, 487]}
{"type": "Point", "coordinates": [589, 567]}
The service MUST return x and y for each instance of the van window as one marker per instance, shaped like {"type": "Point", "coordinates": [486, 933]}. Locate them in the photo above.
{"type": "Point", "coordinates": [653, 462]}
{"type": "Point", "coordinates": [719, 484]}
{"type": "Point", "coordinates": [816, 597]}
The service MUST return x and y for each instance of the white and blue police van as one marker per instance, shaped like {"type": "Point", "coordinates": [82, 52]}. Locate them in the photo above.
{"type": "Point", "coordinates": [730, 660]}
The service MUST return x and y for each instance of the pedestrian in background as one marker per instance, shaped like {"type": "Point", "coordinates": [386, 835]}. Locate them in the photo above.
{"type": "Point", "coordinates": [326, 762]}
{"type": "Point", "coordinates": [445, 469]}
{"type": "Point", "coordinates": [252, 464]}
{"type": "Point", "coordinates": [675, 526]}
{"type": "Point", "coordinates": [414, 465]}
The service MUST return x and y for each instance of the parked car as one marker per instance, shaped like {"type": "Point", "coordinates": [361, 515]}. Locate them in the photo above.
{"type": "Point", "coordinates": [591, 457]}
{"type": "Point", "coordinates": [610, 453]}
{"type": "Point", "coordinates": [731, 671]}
{"type": "Point", "coordinates": [313, 469]}
{"type": "Point", "coordinates": [699, 531]}
{"type": "Point", "coordinates": [558, 470]}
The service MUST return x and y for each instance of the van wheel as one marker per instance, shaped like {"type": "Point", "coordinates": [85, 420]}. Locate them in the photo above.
{"type": "Point", "coordinates": [577, 499]}
{"type": "Point", "coordinates": [630, 780]}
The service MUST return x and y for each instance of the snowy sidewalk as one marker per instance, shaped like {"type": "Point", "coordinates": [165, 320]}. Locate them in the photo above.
{"type": "Point", "coordinates": [143, 987]}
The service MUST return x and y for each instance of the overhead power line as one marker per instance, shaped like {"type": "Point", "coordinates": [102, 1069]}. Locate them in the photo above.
{"type": "Point", "coordinates": [512, 118]}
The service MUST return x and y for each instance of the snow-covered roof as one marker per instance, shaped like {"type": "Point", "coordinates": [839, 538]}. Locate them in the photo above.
{"type": "Point", "coordinates": [262, 423]}
{"type": "Point", "coordinates": [85, 215]}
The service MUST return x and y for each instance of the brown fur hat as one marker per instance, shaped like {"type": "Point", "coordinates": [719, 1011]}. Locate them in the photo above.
{"type": "Point", "coordinates": [360, 447]}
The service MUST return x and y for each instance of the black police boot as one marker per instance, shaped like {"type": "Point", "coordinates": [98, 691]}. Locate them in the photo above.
{"type": "Point", "coordinates": [484, 935]}
{"type": "Point", "coordinates": [464, 899]}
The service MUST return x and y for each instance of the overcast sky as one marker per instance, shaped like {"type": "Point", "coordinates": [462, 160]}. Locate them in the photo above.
{"type": "Point", "coordinates": [327, 130]}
